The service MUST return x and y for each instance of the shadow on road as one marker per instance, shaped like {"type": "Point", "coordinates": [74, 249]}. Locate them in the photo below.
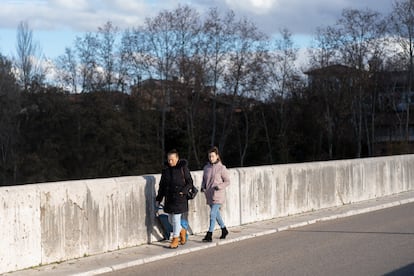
{"type": "Point", "coordinates": [404, 271]}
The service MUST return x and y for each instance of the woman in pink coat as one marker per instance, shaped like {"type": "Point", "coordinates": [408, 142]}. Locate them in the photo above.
{"type": "Point", "coordinates": [215, 180]}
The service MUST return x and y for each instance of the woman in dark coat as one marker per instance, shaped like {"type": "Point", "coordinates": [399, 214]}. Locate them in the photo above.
{"type": "Point", "coordinates": [174, 185]}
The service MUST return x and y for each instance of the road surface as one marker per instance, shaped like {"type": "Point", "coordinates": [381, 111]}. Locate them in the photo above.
{"type": "Point", "coordinates": [376, 243]}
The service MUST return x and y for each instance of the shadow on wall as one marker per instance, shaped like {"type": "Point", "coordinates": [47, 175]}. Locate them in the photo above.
{"type": "Point", "coordinates": [155, 228]}
{"type": "Point", "coordinates": [153, 225]}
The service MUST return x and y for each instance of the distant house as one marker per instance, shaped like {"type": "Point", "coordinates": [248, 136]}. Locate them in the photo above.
{"type": "Point", "coordinates": [155, 94]}
{"type": "Point", "coordinates": [333, 77]}
{"type": "Point", "coordinates": [389, 88]}
{"type": "Point", "coordinates": [152, 93]}
{"type": "Point", "coordinates": [394, 92]}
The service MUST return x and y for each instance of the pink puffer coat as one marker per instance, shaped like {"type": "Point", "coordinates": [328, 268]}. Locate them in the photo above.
{"type": "Point", "coordinates": [215, 175]}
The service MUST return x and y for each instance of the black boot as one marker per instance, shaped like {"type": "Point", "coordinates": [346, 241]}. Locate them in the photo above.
{"type": "Point", "coordinates": [224, 233]}
{"type": "Point", "coordinates": [208, 237]}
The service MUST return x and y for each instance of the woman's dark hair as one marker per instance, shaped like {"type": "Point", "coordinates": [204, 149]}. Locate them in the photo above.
{"type": "Point", "coordinates": [216, 151]}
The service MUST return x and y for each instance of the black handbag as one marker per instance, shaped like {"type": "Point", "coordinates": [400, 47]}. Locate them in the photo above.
{"type": "Point", "coordinates": [192, 192]}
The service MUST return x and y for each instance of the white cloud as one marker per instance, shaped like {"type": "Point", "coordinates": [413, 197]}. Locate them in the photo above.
{"type": "Point", "coordinates": [255, 6]}
{"type": "Point", "coordinates": [69, 6]}
{"type": "Point", "coordinates": [127, 6]}
{"type": "Point", "coordinates": [87, 15]}
{"type": "Point", "coordinates": [301, 17]}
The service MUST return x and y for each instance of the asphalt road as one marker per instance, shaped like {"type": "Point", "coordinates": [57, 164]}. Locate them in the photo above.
{"type": "Point", "coordinates": [376, 243]}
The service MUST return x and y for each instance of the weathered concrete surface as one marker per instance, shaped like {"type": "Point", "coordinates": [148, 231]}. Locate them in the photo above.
{"type": "Point", "coordinates": [52, 222]}
{"type": "Point", "coordinates": [20, 231]}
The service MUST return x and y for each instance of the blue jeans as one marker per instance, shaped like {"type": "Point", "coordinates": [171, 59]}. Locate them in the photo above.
{"type": "Point", "coordinates": [215, 216]}
{"type": "Point", "coordinates": [175, 220]}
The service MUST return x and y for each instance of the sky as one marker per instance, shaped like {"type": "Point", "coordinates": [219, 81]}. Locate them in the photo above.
{"type": "Point", "coordinates": [56, 23]}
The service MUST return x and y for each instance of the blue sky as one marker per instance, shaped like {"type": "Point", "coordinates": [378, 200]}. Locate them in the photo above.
{"type": "Point", "coordinates": [56, 23]}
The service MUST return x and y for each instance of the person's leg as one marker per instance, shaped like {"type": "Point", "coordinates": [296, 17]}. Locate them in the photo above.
{"type": "Point", "coordinates": [175, 220]}
{"type": "Point", "coordinates": [219, 219]}
{"type": "Point", "coordinates": [184, 226]}
{"type": "Point", "coordinates": [214, 215]}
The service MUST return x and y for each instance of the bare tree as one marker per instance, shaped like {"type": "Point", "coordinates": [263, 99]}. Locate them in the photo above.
{"type": "Point", "coordinates": [280, 84]}
{"type": "Point", "coordinates": [29, 58]}
{"type": "Point", "coordinates": [107, 36]}
{"type": "Point", "coordinates": [9, 124]}
{"type": "Point", "coordinates": [217, 31]}
{"type": "Point", "coordinates": [359, 36]}
{"type": "Point", "coordinates": [86, 48]}
{"type": "Point", "coordinates": [354, 40]}
{"type": "Point", "coordinates": [324, 54]}
{"type": "Point", "coordinates": [325, 49]}
{"type": "Point", "coordinates": [67, 70]}
{"type": "Point", "coordinates": [187, 28]}
{"type": "Point", "coordinates": [402, 26]}
{"type": "Point", "coordinates": [244, 63]}
{"type": "Point", "coordinates": [162, 48]}
{"type": "Point", "coordinates": [136, 60]}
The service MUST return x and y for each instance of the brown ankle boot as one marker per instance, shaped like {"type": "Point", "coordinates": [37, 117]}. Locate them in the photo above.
{"type": "Point", "coordinates": [183, 236]}
{"type": "Point", "coordinates": [174, 243]}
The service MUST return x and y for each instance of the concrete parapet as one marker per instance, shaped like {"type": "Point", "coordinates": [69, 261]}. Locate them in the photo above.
{"type": "Point", "coordinates": [20, 231]}
{"type": "Point", "coordinates": [52, 222]}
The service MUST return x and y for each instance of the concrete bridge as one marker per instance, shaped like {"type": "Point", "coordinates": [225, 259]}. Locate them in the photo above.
{"type": "Point", "coordinates": [53, 222]}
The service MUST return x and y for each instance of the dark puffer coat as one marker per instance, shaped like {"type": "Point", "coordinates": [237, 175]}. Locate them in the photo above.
{"type": "Point", "coordinates": [174, 185]}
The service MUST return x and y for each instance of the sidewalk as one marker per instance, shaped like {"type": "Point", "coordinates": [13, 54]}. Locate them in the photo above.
{"type": "Point", "coordinates": [124, 258]}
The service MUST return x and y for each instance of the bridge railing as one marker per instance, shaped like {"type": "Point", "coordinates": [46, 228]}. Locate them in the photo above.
{"type": "Point", "coordinates": [52, 222]}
